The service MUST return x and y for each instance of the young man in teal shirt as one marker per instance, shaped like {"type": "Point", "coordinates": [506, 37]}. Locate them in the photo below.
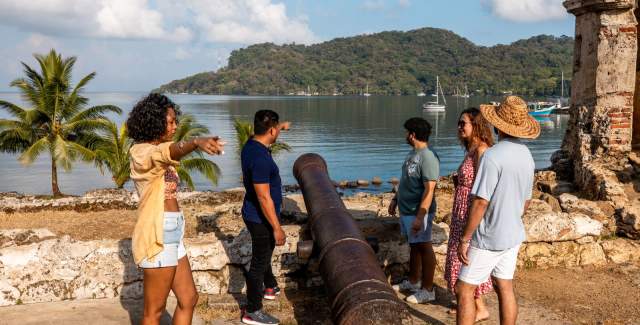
{"type": "Point", "coordinates": [415, 199]}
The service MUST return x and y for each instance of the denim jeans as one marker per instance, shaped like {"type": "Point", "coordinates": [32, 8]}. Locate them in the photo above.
{"type": "Point", "coordinates": [260, 275]}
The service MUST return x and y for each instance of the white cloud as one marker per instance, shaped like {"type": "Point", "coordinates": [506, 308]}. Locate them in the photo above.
{"type": "Point", "coordinates": [88, 18]}
{"type": "Point", "coordinates": [404, 3]}
{"type": "Point", "coordinates": [248, 21]}
{"type": "Point", "coordinates": [373, 5]}
{"type": "Point", "coordinates": [527, 10]}
{"type": "Point", "coordinates": [229, 21]}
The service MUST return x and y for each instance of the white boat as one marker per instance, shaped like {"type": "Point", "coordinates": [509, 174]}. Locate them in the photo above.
{"type": "Point", "coordinates": [421, 94]}
{"type": "Point", "coordinates": [366, 92]}
{"type": "Point", "coordinates": [436, 106]}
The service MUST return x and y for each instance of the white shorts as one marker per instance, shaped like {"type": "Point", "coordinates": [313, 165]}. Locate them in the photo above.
{"type": "Point", "coordinates": [484, 263]}
{"type": "Point", "coordinates": [173, 247]}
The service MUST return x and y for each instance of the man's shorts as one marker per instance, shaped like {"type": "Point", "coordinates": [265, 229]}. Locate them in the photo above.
{"type": "Point", "coordinates": [484, 263]}
{"type": "Point", "coordinates": [423, 236]}
{"type": "Point", "coordinates": [173, 247]}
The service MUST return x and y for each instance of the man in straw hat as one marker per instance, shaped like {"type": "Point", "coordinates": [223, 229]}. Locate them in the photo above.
{"type": "Point", "coordinates": [501, 193]}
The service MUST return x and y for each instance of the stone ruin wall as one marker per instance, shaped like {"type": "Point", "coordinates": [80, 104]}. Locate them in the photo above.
{"type": "Point", "coordinates": [37, 265]}
{"type": "Point", "coordinates": [599, 134]}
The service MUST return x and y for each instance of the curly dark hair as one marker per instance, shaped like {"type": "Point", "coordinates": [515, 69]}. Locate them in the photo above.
{"type": "Point", "coordinates": [147, 120]}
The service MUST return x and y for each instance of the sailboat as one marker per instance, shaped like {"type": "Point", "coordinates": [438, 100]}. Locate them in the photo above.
{"type": "Point", "coordinates": [436, 106]}
{"type": "Point", "coordinates": [466, 92]}
{"type": "Point", "coordinates": [563, 100]}
{"type": "Point", "coordinates": [366, 92]}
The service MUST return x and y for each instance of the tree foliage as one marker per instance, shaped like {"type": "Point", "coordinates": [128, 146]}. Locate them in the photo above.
{"type": "Point", "coordinates": [58, 121]}
{"type": "Point", "coordinates": [390, 63]}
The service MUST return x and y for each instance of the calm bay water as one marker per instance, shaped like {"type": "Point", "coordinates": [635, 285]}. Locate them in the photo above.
{"type": "Point", "coordinates": [359, 137]}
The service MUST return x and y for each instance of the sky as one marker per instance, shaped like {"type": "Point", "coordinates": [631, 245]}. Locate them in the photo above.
{"type": "Point", "coordinates": [138, 45]}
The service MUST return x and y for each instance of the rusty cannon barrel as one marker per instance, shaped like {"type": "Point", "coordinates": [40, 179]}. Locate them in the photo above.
{"type": "Point", "coordinates": [357, 286]}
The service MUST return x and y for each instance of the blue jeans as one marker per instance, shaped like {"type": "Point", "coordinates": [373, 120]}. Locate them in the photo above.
{"type": "Point", "coordinates": [423, 236]}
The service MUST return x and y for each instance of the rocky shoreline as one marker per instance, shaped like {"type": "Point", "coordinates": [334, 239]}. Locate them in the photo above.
{"type": "Point", "coordinates": [38, 265]}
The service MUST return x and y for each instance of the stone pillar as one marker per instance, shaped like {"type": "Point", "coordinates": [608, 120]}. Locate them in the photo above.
{"type": "Point", "coordinates": [635, 125]}
{"type": "Point", "coordinates": [602, 89]}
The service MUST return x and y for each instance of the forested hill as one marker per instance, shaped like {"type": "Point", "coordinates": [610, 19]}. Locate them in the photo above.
{"type": "Point", "coordinates": [390, 63]}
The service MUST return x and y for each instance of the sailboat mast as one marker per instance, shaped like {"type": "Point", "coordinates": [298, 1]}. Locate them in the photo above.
{"type": "Point", "coordinates": [437, 88]}
{"type": "Point", "coordinates": [442, 93]}
{"type": "Point", "coordinates": [562, 86]}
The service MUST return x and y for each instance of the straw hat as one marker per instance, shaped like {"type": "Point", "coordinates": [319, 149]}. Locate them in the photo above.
{"type": "Point", "coordinates": [512, 117]}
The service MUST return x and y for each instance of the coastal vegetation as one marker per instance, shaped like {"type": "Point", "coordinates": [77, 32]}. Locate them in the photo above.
{"type": "Point", "coordinates": [244, 131]}
{"type": "Point", "coordinates": [389, 63]}
{"type": "Point", "coordinates": [60, 123]}
{"type": "Point", "coordinates": [112, 153]}
{"type": "Point", "coordinates": [189, 128]}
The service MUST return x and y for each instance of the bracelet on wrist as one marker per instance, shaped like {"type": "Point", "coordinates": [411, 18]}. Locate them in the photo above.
{"type": "Point", "coordinates": [463, 241]}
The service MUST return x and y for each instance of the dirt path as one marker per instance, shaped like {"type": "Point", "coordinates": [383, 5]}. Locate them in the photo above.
{"type": "Point", "coordinates": [591, 295]}
{"type": "Point", "coordinates": [608, 296]}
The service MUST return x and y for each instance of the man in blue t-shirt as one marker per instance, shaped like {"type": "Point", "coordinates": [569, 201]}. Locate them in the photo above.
{"type": "Point", "coordinates": [261, 212]}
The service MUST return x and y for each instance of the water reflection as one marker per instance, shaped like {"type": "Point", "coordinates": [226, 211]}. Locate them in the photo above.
{"type": "Point", "coordinates": [360, 137]}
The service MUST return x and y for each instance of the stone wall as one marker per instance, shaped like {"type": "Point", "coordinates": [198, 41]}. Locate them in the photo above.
{"type": "Point", "coordinates": [599, 134]}
{"type": "Point", "coordinates": [39, 266]}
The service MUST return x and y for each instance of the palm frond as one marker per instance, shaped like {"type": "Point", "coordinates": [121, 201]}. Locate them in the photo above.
{"type": "Point", "coordinates": [188, 128]}
{"type": "Point", "coordinates": [279, 147]}
{"type": "Point", "coordinates": [244, 131]}
{"type": "Point", "coordinates": [94, 112]}
{"type": "Point", "coordinates": [185, 178]}
{"type": "Point", "coordinates": [204, 166]}
{"type": "Point", "coordinates": [13, 109]}
{"type": "Point", "coordinates": [32, 153]}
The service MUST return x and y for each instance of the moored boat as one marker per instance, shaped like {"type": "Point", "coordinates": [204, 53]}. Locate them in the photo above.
{"type": "Point", "coordinates": [541, 109]}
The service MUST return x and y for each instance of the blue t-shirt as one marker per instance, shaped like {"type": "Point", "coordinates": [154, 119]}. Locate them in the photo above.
{"type": "Point", "coordinates": [258, 167]}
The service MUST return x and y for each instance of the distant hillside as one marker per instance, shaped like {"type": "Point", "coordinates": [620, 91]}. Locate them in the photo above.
{"type": "Point", "coordinates": [390, 63]}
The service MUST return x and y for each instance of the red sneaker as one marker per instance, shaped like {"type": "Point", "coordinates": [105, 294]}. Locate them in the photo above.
{"type": "Point", "coordinates": [271, 293]}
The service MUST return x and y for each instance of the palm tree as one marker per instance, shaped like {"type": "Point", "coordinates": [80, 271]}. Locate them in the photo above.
{"type": "Point", "coordinates": [58, 121]}
{"type": "Point", "coordinates": [188, 128]}
{"type": "Point", "coordinates": [244, 131]}
{"type": "Point", "coordinates": [112, 153]}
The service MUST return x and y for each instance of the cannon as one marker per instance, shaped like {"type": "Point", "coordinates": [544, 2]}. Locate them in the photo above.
{"type": "Point", "coordinates": [357, 287]}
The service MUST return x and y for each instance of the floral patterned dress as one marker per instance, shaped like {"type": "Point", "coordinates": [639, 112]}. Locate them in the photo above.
{"type": "Point", "coordinates": [459, 216]}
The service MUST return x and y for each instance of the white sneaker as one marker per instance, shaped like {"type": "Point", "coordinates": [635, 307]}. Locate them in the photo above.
{"type": "Point", "coordinates": [422, 296]}
{"type": "Point", "coordinates": [406, 285]}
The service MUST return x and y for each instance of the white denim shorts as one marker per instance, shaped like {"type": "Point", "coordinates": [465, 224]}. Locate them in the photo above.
{"type": "Point", "coordinates": [484, 263]}
{"type": "Point", "coordinates": [173, 246]}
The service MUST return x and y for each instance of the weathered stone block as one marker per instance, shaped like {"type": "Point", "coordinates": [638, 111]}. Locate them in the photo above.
{"type": "Point", "coordinates": [592, 254]}
{"type": "Point", "coordinates": [621, 250]}
{"type": "Point", "coordinates": [553, 226]}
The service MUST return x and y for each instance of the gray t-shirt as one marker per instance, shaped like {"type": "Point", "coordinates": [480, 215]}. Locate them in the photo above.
{"type": "Point", "coordinates": [419, 166]}
{"type": "Point", "coordinates": [505, 179]}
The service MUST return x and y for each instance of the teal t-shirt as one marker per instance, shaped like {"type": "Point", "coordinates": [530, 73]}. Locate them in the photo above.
{"type": "Point", "coordinates": [419, 167]}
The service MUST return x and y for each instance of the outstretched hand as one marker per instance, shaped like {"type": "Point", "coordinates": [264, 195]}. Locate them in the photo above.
{"type": "Point", "coordinates": [284, 125]}
{"type": "Point", "coordinates": [211, 145]}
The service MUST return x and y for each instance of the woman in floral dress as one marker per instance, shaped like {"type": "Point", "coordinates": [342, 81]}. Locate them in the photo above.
{"type": "Point", "coordinates": [476, 136]}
